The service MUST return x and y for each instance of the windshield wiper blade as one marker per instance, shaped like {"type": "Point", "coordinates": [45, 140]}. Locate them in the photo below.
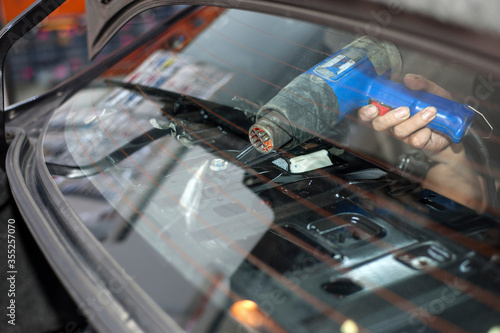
{"type": "Point", "coordinates": [149, 91]}
{"type": "Point", "coordinates": [234, 118]}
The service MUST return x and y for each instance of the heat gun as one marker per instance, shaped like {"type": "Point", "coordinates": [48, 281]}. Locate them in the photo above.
{"type": "Point", "coordinates": [357, 75]}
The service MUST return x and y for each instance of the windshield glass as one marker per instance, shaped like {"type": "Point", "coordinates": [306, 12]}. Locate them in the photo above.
{"type": "Point", "coordinates": [217, 167]}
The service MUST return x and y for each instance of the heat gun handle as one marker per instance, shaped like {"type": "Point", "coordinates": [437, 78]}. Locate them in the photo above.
{"type": "Point", "coordinates": [453, 119]}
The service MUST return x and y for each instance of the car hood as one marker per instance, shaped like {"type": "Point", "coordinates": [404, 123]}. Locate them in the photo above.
{"type": "Point", "coordinates": [106, 17]}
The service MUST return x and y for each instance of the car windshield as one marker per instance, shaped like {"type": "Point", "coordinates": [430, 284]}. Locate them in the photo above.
{"type": "Point", "coordinates": [182, 161]}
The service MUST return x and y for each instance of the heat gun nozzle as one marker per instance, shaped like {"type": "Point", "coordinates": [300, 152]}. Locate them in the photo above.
{"type": "Point", "coordinates": [266, 135]}
{"type": "Point", "coordinates": [260, 139]}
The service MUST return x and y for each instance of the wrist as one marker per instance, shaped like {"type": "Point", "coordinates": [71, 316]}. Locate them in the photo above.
{"type": "Point", "coordinates": [415, 164]}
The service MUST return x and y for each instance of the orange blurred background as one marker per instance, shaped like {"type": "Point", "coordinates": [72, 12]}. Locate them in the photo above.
{"type": "Point", "coordinates": [10, 9]}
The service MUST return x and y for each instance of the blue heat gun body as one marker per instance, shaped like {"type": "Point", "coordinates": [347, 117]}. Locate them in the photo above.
{"type": "Point", "coordinates": [356, 84]}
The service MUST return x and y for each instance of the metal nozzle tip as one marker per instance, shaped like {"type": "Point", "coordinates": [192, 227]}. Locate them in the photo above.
{"type": "Point", "coordinates": [260, 138]}
{"type": "Point", "coordinates": [270, 132]}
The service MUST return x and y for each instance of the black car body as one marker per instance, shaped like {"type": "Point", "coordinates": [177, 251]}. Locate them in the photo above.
{"type": "Point", "coordinates": [137, 180]}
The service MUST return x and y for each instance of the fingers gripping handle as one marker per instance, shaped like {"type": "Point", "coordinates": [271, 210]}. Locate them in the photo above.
{"type": "Point", "coordinates": [452, 119]}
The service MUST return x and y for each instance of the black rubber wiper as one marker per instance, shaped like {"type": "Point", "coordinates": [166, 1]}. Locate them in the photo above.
{"type": "Point", "coordinates": [164, 95]}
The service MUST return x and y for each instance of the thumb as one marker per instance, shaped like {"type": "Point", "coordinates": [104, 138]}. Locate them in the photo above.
{"type": "Point", "coordinates": [418, 82]}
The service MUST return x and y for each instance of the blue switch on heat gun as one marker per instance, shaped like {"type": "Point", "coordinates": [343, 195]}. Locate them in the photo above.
{"type": "Point", "coordinates": [357, 75]}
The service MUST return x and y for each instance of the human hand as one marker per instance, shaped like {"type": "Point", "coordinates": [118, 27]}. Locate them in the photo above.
{"type": "Point", "coordinates": [411, 130]}
{"type": "Point", "coordinates": [453, 175]}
